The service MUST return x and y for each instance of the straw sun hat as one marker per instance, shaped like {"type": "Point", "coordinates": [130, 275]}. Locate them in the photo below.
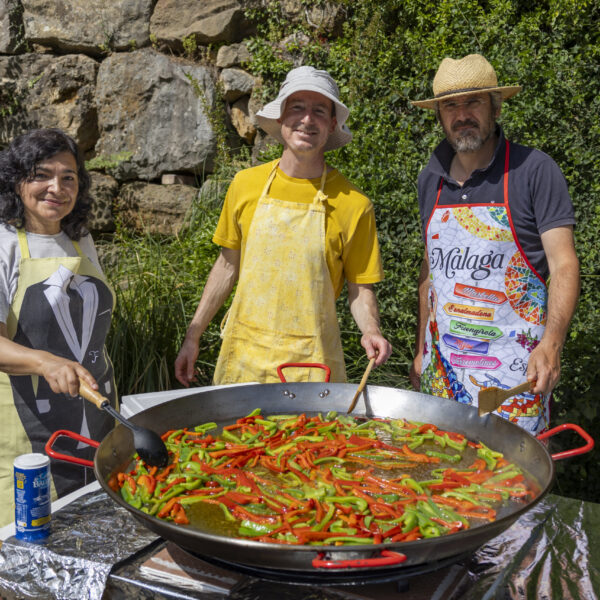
{"type": "Point", "coordinates": [307, 79]}
{"type": "Point", "coordinates": [469, 75]}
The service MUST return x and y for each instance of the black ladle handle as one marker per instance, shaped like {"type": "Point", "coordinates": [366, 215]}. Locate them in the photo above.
{"type": "Point", "coordinates": [147, 443]}
{"type": "Point", "coordinates": [103, 403]}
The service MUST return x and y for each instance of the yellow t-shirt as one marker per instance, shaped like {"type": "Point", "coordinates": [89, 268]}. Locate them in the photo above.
{"type": "Point", "coordinates": [352, 250]}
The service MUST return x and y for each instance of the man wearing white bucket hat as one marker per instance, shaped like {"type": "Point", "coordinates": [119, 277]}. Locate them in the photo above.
{"type": "Point", "coordinates": [292, 232]}
{"type": "Point", "coordinates": [500, 279]}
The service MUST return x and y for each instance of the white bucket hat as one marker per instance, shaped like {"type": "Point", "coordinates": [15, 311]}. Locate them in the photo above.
{"type": "Point", "coordinates": [307, 79]}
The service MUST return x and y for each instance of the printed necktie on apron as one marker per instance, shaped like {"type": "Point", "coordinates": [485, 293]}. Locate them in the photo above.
{"type": "Point", "coordinates": [284, 304]}
{"type": "Point", "coordinates": [487, 307]}
{"type": "Point", "coordinates": [75, 310]}
{"type": "Point", "coordinates": [43, 316]}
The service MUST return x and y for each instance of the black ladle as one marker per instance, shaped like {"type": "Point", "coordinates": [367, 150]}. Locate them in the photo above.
{"type": "Point", "coordinates": [147, 443]}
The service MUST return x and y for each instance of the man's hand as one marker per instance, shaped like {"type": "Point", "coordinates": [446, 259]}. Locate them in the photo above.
{"type": "Point", "coordinates": [185, 363]}
{"type": "Point", "coordinates": [544, 366]}
{"type": "Point", "coordinates": [415, 372]}
{"type": "Point", "coordinates": [376, 345]}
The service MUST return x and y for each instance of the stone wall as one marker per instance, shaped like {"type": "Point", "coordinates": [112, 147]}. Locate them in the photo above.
{"type": "Point", "coordinates": [114, 75]}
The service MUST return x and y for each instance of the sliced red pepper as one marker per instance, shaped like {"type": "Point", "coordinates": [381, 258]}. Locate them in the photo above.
{"type": "Point", "coordinates": [246, 514]}
{"type": "Point", "coordinates": [171, 484]}
{"type": "Point", "coordinates": [419, 457]}
{"type": "Point", "coordinates": [234, 451]}
{"type": "Point", "coordinates": [148, 482]}
{"type": "Point", "coordinates": [241, 498]}
{"type": "Point", "coordinates": [179, 516]}
{"type": "Point", "coordinates": [444, 485]}
{"type": "Point", "coordinates": [131, 482]}
{"type": "Point", "coordinates": [166, 509]}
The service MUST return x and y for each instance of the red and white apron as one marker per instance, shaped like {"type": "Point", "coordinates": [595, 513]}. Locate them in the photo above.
{"type": "Point", "coordinates": [487, 308]}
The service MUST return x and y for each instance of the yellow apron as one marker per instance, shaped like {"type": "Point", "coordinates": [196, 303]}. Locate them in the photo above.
{"type": "Point", "coordinates": [284, 305]}
{"type": "Point", "coordinates": [62, 305]}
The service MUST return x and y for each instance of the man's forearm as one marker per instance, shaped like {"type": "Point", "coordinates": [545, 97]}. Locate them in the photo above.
{"type": "Point", "coordinates": [563, 293]}
{"type": "Point", "coordinates": [364, 309]}
{"type": "Point", "coordinates": [219, 285]}
{"type": "Point", "coordinates": [563, 287]}
{"type": "Point", "coordinates": [363, 306]}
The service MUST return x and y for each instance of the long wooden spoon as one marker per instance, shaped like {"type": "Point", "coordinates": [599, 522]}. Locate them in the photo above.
{"type": "Point", "coordinates": [490, 398]}
{"type": "Point", "coordinates": [147, 443]}
{"type": "Point", "coordinates": [361, 385]}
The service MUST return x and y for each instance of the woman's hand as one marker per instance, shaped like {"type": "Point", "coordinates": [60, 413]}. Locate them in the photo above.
{"type": "Point", "coordinates": [63, 375]}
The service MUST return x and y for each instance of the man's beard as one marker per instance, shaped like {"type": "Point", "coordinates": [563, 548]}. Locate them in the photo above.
{"type": "Point", "coordinates": [469, 141]}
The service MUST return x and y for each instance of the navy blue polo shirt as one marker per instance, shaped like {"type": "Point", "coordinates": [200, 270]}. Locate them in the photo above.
{"type": "Point", "coordinates": [537, 192]}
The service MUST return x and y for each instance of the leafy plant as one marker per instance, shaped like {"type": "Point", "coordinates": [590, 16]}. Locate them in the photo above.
{"type": "Point", "coordinates": [107, 163]}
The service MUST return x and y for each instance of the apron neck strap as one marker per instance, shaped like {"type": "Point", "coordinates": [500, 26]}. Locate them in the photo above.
{"type": "Point", "coordinates": [269, 180]}
{"type": "Point", "coordinates": [319, 196]}
{"type": "Point", "coordinates": [24, 246]}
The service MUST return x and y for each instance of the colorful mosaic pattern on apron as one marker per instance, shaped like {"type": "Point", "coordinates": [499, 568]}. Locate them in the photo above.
{"type": "Point", "coordinates": [526, 293]}
{"type": "Point", "coordinates": [487, 309]}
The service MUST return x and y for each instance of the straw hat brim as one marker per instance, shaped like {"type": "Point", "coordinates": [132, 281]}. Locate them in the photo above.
{"type": "Point", "coordinates": [506, 91]}
{"type": "Point", "coordinates": [268, 115]}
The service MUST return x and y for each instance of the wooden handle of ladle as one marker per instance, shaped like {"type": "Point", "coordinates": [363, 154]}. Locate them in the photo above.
{"type": "Point", "coordinates": [361, 385]}
{"type": "Point", "coordinates": [90, 394]}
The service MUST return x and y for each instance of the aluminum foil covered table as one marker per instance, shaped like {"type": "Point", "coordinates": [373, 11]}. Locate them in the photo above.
{"type": "Point", "coordinates": [98, 550]}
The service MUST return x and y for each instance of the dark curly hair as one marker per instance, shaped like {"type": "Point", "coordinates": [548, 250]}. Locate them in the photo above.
{"type": "Point", "coordinates": [18, 163]}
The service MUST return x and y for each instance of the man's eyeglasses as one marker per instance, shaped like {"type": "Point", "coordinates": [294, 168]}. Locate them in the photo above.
{"type": "Point", "coordinates": [453, 106]}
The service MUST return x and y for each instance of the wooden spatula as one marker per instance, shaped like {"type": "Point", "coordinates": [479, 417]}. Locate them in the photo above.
{"type": "Point", "coordinates": [491, 398]}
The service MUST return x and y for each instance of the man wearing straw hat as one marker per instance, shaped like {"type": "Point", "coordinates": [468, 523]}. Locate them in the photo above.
{"type": "Point", "coordinates": [500, 279]}
{"type": "Point", "coordinates": [292, 231]}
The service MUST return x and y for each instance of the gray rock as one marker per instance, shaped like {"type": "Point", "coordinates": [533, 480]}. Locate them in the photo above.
{"type": "Point", "coordinates": [236, 83]}
{"type": "Point", "coordinates": [153, 208]}
{"type": "Point", "coordinates": [45, 91]}
{"type": "Point", "coordinates": [11, 26]}
{"type": "Point", "coordinates": [208, 21]}
{"type": "Point", "coordinates": [230, 56]}
{"type": "Point", "coordinates": [147, 104]}
{"type": "Point", "coordinates": [103, 190]}
{"type": "Point", "coordinates": [90, 26]}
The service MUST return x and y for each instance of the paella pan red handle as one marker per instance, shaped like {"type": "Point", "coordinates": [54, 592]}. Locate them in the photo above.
{"type": "Point", "coordinates": [385, 559]}
{"type": "Point", "coordinates": [569, 453]}
{"type": "Point", "coordinates": [317, 365]}
{"type": "Point", "coordinates": [72, 459]}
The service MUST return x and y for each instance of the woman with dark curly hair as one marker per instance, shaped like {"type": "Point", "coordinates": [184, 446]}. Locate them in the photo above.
{"type": "Point", "coordinates": [55, 309]}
